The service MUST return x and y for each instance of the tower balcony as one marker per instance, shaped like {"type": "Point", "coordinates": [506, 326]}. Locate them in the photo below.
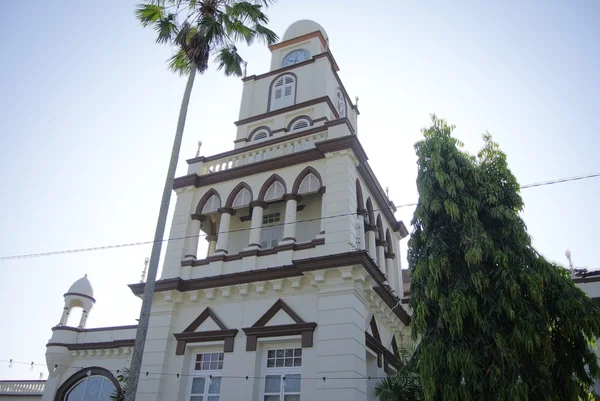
{"type": "Point", "coordinates": [259, 152]}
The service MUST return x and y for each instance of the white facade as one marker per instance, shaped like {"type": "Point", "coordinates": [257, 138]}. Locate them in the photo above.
{"type": "Point", "coordinates": [299, 295]}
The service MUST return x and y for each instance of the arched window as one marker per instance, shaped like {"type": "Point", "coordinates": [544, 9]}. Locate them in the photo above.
{"type": "Point", "coordinates": [309, 184]}
{"type": "Point", "coordinates": [300, 124]}
{"type": "Point", "coordinates": [260, 136]}
{"type": "Point", "coordinates": [212, 204]}
{"type": "Point", "coordinates": [242, 198]}
{"type": "Point", "coordinates": [275, 191]}
{"type": "Point", "coordinates": [92, 388]}
{"type": "Point", "coordinates": [341, 103]}
{"type": "Point", "coordinates": [283, 92]}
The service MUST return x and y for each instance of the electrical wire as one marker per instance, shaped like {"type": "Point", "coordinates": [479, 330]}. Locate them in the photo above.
{"type": "Point", "coordinates": [131, 244]}
{"type": "Point", "coordinates": [179, 375]}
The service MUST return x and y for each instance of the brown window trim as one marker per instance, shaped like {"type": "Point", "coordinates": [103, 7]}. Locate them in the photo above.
{"type": "Point", "coordinates": [189, 334]}
{"type": "Point", "coordinates": [299, 327]}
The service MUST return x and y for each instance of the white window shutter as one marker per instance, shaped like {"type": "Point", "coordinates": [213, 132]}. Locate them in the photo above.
{"type": "Point", "coordinates": [309, 184]}
{"type": "Point", "coordinates": [211, 205]}
{"type": "Point", "coordinates": [242, 198]}
{"type": "Point", "coordinates": [275, 191]}
{"type": "Point", "coordinates": [283, 92]}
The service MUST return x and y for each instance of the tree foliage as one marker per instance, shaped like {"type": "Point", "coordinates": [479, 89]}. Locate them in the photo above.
{"type": "Point", "coordinates": [200, 30]}
{"type": "Point", "coordinates": [495, 319]}
{"type": "Point", "coordinates": [405, 385]}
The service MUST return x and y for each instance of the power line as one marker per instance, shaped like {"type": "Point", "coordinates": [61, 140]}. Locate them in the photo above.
{"type": "Point", "coordinates": [131, 244]}
{"type": "Point", "coordinates": [148, 374]}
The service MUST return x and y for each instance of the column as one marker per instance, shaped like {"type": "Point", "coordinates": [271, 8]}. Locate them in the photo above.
{"type": "Point", "coordinates": [289, 227]}
{"type": "Point", "coordinates": [381, 255]}
{"type": "Point", "coordinates": [191, 237]}
{"type": "Point", "coordinates": [371, 238]}
{"type": "Point", "coordinates": [256, 223]}
{"type": "Point", "coordinates": [84, 316]}
{"type": "Point", "coordinates": [212, 244]}
{"type": "Point", "coordinates": [398, 261]}
{"type": "Point", "coordinates": [223, 236]}
{"type": "Point", "coordinates": [64, 317]}
{"type": "Point", "coordinates": [323, 210]}
{"type": "Point", "coordinates": [392, 271]}
{"type": "Point", "coordinates": [360, 230]}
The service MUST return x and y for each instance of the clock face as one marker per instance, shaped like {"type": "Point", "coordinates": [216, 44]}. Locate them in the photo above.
{"type": "Point", "coordinates": [295, 57]}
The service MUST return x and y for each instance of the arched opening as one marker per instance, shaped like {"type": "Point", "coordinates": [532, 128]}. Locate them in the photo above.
{"type": "Point", "coordinates": [272, 193]}
{"type": "Point", "coordinates": [283, 92]}
{"type": "Point", "coordinates": [209, 217]}
{"type": "Point", "coordinates": [309, 185]}
{"type": "Point", "coordinates": [299, 124]}
{"type": "Point", "coordinates": [92, 388]}
{"type": "Point", "coordinates": [239, 229]}
{"type": "Point", "coordinates": [75, 312]}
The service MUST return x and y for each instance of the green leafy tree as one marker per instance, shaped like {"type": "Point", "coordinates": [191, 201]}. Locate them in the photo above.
{"type": "Point", "coordinates": [495, 319]}
{"type": "Point", "coordinates": [198, 30]}
{"type": "Point", "coordinates": [405, 386]}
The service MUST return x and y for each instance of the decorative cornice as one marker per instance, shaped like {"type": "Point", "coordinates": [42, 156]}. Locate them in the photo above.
{"type": "Point", "coordinates": [78, 330]}
{"type": "Point", "coordinates": [94, 346]}
{"type": "Point", "coordinates": [298, 268]}
{"type": "Point", "coordinates": [283, 110]}
{"type": "Point", "coordinates": [316, 153]}
{"type": "Point", "coordinates": [78, 294]}
{"type": "Point", "coordinates": [226, 335]}
{"type": "Point", "coordinates": [304, 329]}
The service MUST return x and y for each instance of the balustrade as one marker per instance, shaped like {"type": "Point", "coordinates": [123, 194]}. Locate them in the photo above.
{"type": "Point", "coordinates": [22, 387]}
{"type": "Point", "coordinates": [264, 153]}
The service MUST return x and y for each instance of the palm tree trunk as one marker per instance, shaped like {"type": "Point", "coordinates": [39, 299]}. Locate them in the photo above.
{"type": "Point", "coordinates": [142, 329]}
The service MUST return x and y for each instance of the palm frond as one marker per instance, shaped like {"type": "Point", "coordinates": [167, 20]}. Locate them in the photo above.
{"type": "Point", "coordinates": [245, 11]}
{"type": "Point", "coordinates": [149, 13]}
{"type": "Point", "coordinates": [229, 60]}
{"type": "Point", "coordinates": [213, 30]}
{"type": "Point", "coordinates": [180, 63]}
{"type": "Point", "coordinates": [166, 28]}
{"type": "Point", "coordinates": [264, 34]}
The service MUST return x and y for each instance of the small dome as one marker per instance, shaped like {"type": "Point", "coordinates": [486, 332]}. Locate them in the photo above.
{"type": "Point", "coordinates": [303, 27]}
{"type": "Point", "coordinates": [82, 286]}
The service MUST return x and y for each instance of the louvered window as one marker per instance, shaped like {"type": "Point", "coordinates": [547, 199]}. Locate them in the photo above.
{"type": "Point", "coordinates": [260, 136]}
{"type": "Point", "coordinates": [211, 205]}
{"type": "Point", "coordinates": [283, 92]}
{"type": "Point", "coordinates": [242, 198]}
{"type": "Point", "coordinates": [274, 192]}
{"type": "Point", "coordinates": [301, 124]}
{"type": "Point", "coordinates": [309, 184]}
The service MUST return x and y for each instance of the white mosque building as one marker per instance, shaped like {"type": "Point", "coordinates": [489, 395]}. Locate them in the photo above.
{"type": "Point", "coordinates": [299, 295]}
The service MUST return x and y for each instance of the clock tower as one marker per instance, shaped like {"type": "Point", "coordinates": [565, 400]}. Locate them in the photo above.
{"type": "Point", "coordinates": [299, 294]}
{"type": "Point", "coordinates": [303, 81]}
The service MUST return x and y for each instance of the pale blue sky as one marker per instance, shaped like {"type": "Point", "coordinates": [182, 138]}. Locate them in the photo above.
{"type": "Point", "coordinates": [89, 111]}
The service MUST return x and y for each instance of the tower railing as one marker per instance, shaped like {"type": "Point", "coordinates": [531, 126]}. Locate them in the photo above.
{"type": "Point", "coordinates": [22, 386]}
{"type": "Point", "coordinates": [267, 152]}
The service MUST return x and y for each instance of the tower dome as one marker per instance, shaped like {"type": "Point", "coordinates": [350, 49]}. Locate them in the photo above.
{"type": "Point", "coordinates": [80, 294]}
{"type": "Point", "coordinates": [82, 287]}
{"type": "Point", "coordinates": [303, 27]}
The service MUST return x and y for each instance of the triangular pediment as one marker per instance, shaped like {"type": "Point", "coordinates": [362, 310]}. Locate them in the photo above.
{"type": "Point", "coordinates": [208, 325]}
{"type": "Point", "coordinates": [373, 330]}
{"type": "Point", "coordinates": [206, 321]}
{"type": "Point", "coordinates": [278, 314]}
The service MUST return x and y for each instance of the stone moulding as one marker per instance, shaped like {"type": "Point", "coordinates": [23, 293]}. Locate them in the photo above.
{"type": "Point", "coordinates": [299, 327]}
{"type": "Point", "coordinates": [297, 269]}
{"type": "Point", "coordinates": [189, 335]}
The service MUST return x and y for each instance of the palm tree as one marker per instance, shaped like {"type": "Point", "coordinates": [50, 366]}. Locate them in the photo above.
{"type": "Point", "coordinates": [119, 393]}
{"type": "Point", "coordinates": [406, 385]}
{"type": "Point", "coordinates": [199, 30]}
